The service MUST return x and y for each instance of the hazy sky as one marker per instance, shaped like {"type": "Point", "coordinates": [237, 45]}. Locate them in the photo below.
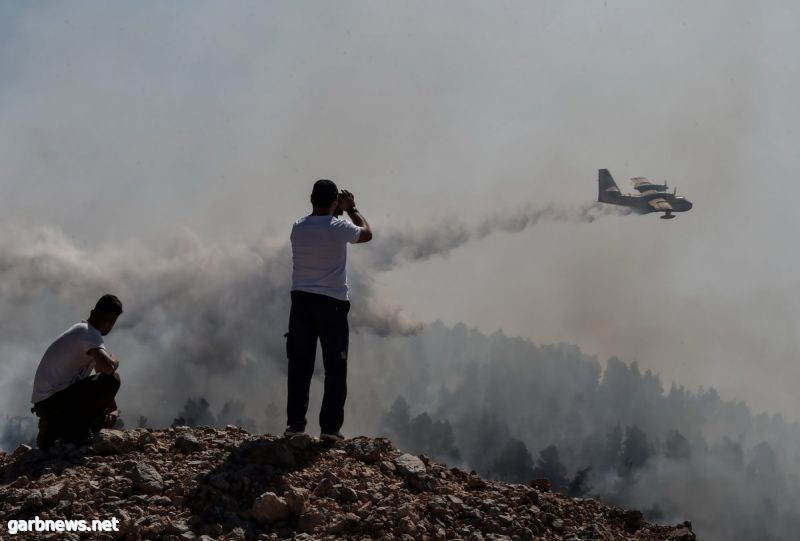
{"type": "Point", "coordinates": [139, 121]}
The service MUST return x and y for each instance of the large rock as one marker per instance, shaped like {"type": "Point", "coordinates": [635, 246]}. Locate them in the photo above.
{"type": "Point", "coordinates": [146, 479]}
{"type": "Point", "coordinates": [21, 451]}
{"type": "Point", "coordinates": [311, 520]}
{"type": "Point", "coordinates": [266, 452]}
{"type": "Point", "coordinates": [410, 466]}
{"type": "Point", "coordinates": [188, 443]}
{"type": "Point", "coordinates": [682, 534]}
{"type": "Point", "coordinates": [113, 442]}
{"type": "Point", "coordinates": [348, 495]}
{"type": "Point", "coordinates": [366, 450]}
{"type": "Point", "coordinates": [414, 471]}
{"type": "Point", "coordinates": [634, 520]}
{"type": "Point", "coordinates": [324, 488]}
{"type": "Point", "coordinates": [270, 508]}
{"type": "Point", "coordinates": [51, 492]}
{"type": "Point", "coordinates": [296, 499]}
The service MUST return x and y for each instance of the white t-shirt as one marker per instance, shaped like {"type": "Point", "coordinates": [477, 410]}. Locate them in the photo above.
{"type": "Point", "coordinates": [66, 361]}
{"type": "Point", "coordinates": [319, 255]}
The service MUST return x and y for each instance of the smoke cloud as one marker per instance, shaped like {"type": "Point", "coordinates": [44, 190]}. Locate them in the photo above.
{"type": "Point", "coordinates": [419, 244]}
{"type": "Point", "coordinates": [200, 318]}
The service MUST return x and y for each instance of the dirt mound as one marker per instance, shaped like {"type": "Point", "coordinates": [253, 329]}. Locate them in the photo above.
{"type": "Point", "coordinates": [207, 483]}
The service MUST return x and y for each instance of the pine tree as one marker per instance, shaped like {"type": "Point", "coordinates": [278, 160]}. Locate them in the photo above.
{"type": "Point", "coordinates": [549, 466]}
{"type": "Point", "coordinates": [515, 463]}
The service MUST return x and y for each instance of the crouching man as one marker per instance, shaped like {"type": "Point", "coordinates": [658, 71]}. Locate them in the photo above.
{"type": "Point", "coordinates": [71, 402]}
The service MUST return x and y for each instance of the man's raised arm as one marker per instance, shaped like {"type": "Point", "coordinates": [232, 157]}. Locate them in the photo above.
{"type": "Point", "coordinates": [349, 206]}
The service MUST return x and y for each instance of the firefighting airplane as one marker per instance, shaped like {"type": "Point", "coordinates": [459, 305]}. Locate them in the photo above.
{"type": "Point", "coordinates": [651, 197]}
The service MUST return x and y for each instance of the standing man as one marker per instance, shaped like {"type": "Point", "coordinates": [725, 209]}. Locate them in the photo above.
{"type": "Point", "coordinates": [320, 303]}
{"type": "Point", "coordinates": [71, 402]}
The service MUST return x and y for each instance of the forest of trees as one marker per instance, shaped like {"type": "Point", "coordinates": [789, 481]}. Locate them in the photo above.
{"type": "Point", "coordinates": [516, 411]}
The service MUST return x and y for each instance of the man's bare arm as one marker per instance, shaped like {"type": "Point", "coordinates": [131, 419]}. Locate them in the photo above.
{"type": "Point", "coordinates": [360, 221]}
{"type": "Point", "coordinates": [103, 362]}
{"type": "Point", "coordinates": [348, 204]}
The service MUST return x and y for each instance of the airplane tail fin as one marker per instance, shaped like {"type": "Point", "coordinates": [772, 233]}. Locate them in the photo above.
{"type": "Point", "coordinates": [607, 188]}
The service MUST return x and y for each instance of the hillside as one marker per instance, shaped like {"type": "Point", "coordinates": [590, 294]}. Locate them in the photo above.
{"type": "Point", "coordinates": [207, 483]}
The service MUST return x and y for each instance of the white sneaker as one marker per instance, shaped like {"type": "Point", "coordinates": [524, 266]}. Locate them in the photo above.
{"type": "Point", "coordinates": [327, 436]}
{"type": "Point", "coordinates": [289, 433]}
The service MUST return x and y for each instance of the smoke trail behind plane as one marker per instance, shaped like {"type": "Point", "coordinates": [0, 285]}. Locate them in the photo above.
{"type": "Point", "coordinates": [423, 243]}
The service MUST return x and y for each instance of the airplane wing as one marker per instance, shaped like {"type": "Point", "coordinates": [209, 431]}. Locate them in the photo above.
{"type": "Point", "coordinates": [639, 181]}
{"type": "Point", "coordinates": [659, 204]}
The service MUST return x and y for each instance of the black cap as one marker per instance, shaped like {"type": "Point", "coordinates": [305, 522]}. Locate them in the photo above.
{"type": "Point", "coordinates": [324, 193]}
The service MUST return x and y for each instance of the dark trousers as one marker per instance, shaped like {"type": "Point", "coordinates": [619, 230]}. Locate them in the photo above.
{"type": "Point", "coordinates": [73, 413]}
{"type": "Point", "coordinates": [315, 317]}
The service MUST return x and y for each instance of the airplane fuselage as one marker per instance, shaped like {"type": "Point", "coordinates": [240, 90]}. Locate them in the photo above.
{"type": "Point", "coordinates": [641, 205]}
{"type": "Point", "coordinates": [653, 197]}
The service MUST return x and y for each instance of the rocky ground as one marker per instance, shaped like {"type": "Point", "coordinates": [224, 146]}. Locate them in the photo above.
{"type": "Point", "coordinates": [226, 484]}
